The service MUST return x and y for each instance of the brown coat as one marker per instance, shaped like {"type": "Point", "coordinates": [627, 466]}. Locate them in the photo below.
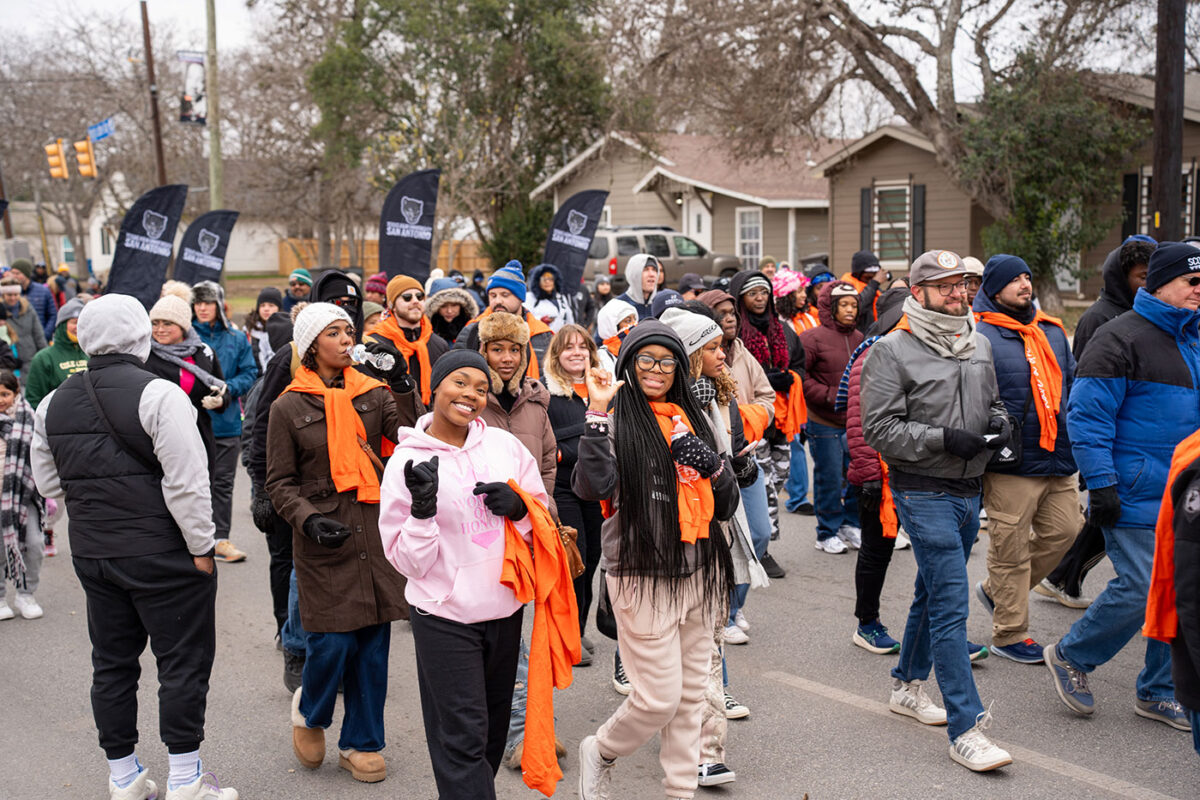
{"type": "Point", "coordinates": [352, 586]}
{"type": "Point", "coordinates": [529, 421]}
{"type": "Point", "coordinates": [752, 383]}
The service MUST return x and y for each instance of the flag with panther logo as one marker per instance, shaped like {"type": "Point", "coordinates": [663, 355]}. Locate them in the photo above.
{"type": "Point", "coordinates": [145, 243]}
{"type": "Point", "coordinates": [203, 247]}
{"type": "Point", "coordinates": [571, 234]}
{"type": "Point", "coordinates": [406, 225]}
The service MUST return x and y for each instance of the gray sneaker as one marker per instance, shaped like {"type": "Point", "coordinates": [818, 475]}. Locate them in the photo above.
{"type": "Point", "coordinates": [595, 771]}
{"type": "Point", "coordinates": [1070, 683]}
{"type": "Point", "coordinates": [910, 700]}
{"type": "Point", "coordinates": [1168, 712]}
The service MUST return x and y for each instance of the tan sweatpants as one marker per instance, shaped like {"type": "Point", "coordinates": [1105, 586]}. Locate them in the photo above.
{"type": "Point", "coordinates": [666, 649]}
{"type": "Point", "coordinates": [1031, 524]}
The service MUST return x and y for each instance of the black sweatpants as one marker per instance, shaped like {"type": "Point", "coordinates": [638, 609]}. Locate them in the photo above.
{"type": "Point", "coordinates": [163, 597]}
{"type": "Point", "coordinates": [220, 483]}
{"type": "Point", "coordinates": [584, 516]}
{"type": "Point", "coordinates": [466, 674]}
{"type": "Point", "coordinates": [873, 559]}
{"type": "Point", "coordinates": [279, 547]}
{"type": "Point", "coordinates": [1085, 553]}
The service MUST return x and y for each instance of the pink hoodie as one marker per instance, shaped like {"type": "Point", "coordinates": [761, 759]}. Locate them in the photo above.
{"type": "Point", "coordinates": [453, 560]}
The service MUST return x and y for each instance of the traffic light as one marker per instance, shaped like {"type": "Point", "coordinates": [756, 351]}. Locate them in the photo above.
{"type": "Point", "coordinates": [57, 160]}
{"type": "Point", "coordinates": [85, 158]}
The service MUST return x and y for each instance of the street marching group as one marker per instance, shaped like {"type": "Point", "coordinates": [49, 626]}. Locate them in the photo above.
{"type": "Point", "coordinates": [452, 451]}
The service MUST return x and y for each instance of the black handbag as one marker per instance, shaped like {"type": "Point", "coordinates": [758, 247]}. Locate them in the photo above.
{"type": "Point", "coordinates": [606, 621]}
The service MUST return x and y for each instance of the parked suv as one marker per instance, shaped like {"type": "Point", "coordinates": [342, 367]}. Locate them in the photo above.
{"type": "Point", "coordinates": [678, 254]}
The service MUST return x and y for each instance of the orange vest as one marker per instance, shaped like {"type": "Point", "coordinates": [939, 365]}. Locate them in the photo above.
{"type": "Point", "coordinates": [1162, 618]}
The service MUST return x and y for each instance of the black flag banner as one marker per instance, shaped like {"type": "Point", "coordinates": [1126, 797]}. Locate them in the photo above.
{"type": "Point", "coordinates": [571, 234]}
{"type": "Point", "coordinates": [145, 242]}
{"type": "Point", "coordinates": [202, 249]}
{"type": "Point", "coordinates": [406, 225]}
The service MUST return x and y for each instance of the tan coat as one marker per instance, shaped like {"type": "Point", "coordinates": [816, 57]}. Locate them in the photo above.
{"type": "Point", "coordinates": [529, 421]}
{"type": "Point", "coordinates": [352, 586]}
{"type": "Point", "coordinates": [752, 383]}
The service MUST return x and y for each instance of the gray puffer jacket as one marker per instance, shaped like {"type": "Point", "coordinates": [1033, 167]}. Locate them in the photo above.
{"type": "Point", "coordinates": [910, 394]}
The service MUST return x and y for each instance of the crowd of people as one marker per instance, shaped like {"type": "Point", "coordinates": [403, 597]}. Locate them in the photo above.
{"type": "Point", "coordinates": [449, 452]}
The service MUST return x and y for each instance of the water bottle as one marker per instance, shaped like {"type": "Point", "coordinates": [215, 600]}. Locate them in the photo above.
{"type": "Point", "coordinates": [384, 362]}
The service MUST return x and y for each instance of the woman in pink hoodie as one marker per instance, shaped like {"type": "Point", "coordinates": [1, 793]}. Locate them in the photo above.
{"type": "Point", "coordinates": [449, 543]}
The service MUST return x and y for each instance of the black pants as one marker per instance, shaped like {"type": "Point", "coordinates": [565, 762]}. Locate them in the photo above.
{"type": "Point", "coordinates": [221, 482]}
{"type": "Point", "coordinates": [279, 546]}
{"type": "Point", "coordinates": [1085, 553]}
{"type": "Point", "coordinates": [585, 517]}
{"type": "Point", "coordinates": [167, 599]}
{"type": "Point", "coordinates": [466, 675]}
{"type": "Point", "coordinates": [873, 559]}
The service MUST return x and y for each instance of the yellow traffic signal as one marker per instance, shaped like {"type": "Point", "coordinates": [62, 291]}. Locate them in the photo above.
{"type": "Point", "coordinates": [57, 160]}
{"type": "Point", "coordinates": [85, 158]}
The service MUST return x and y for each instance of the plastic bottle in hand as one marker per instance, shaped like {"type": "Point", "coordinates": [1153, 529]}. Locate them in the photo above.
{"type": "Point", "coordinates": [384, 362]}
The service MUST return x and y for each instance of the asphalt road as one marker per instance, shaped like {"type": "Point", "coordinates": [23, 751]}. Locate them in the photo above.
{"type": "Point", "coordinates": [819, 723]}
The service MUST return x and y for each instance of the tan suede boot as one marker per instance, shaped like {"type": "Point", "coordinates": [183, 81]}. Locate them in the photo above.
{"type": "Point", "coordinates": [308, 743]}
{"type": "Point", "coordinates": [365, 767]}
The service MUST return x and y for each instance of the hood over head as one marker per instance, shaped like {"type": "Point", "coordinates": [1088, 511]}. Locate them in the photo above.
{"type": "Point", "coordinates": [825, 303]}
{"type": "Point", "coordinates": [112, 324]}
{"type": "Point", "coordinates": [608, 317]}
{"type": "Point", "coordinates": [737, 286]}
{"type": "Point", "coordinates": [70, 310]}
{"type": "Point", "coordinates": [633, 276]}
{"type": "Point", "coordinates": [890, 308]}
{"type": "Point", "coordinates": [535, 279]}
{"type": "Point", "coordinates": [335, 286]}
{"type": "Point", "coordinates": [454, 294]}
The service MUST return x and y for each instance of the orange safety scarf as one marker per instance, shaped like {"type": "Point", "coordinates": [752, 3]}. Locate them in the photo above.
{"type": "Point", "coordinates": [887, 505]}
{"type": "Point", "coordinates": [1162, 616]}
{"type": "Point", "coordinates": [581, 390]}
{"type": "Point", "coordinates": [860, 287]}
{"type": "Point", "coordinates": [805, 320]}
{"type": "Point", "coordinates": [613, 344]}
{"type": "Point", "coordinates": [536, 327]}
{"type": "Point", "coordinates": [543, 577]}
{"type": "Point", "coordinates": [755, 421]}
{"type": "Point", "coordinates": [694, 495]}
{"type": "Point", "coordinates": [349, 465]}
{"type": "Point", "coordinates": [791, 412]}
{"type": "Point", "coordinates": [1047, 387]}
{"type": "Point", "coordinates": [389, 329]}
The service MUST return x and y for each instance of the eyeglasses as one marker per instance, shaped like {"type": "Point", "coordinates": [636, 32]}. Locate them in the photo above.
{"type": "Point", "coordinates": [947, 289]}
{"type": "Point", "coordinates": [1194, 281]}
{"type": "Point", "coordinates": [294, 284]}
{"type": "Point", "coordinates": [408, 297]}
{"type": "Point", "coordinates": [647, 362]}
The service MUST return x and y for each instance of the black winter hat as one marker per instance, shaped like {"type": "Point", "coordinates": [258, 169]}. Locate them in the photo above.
{"type": "Point", "coordinates": [269, 295]}
{"type": "Point", "coordinates": [1170, 260]}
{"type": "Point", "coordinates": [863, 261]}
{"type": "Point", "coordinates": [648, 331]}
{"type": "Point", "coordinates": [456, 360]}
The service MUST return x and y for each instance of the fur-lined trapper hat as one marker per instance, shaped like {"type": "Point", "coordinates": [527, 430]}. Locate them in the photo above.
{"type": "Point", "coordinates": [210, 292]}
{"type": "Point", "coordinates": [500, 326]}
{"type": "Point", "coordinates": [454, 295]}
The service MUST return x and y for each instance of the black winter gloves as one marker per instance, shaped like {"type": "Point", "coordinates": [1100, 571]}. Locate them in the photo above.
{"type": "Point", "coordinates": [261, 510]}
{"type": "Point", "coordinates": [962, 443]}
{"type": "Point", "coordinates": [501, 500]}
{"type": "Point", "coordinates": [780, 380]}
{"type": "Point", "coordinates": [326, 532]}
{"type": "Point", "coordinates": [690, 450]}
{"type": "Point", "coordinates": [422, 483]}
{"type": "Point", "coordinates": [872, 490]}
{"type": "Point", "coordinates": [1105, 506]}
{"type": "Point", "coordinates": [1000, 427]}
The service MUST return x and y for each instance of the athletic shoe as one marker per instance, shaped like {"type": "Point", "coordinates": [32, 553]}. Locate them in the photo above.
{"type": "Point", "coordinates": [976, 652]}
{"type": "Point", "coordinates": [977, 752]}
{"type": "Point", "coordinates": [1048, 589]}
{"type": "Point", "coordinates": [734, 709]}
{"type": "Point", "coordinates": [735, 635]}
{"type": "Point", "coordinates": [585, 657]}
{"type": "Point", "coordinates": [910, 700]}
{"type": "Point", "coordinates": [595, 771]}
{"type": "Point", "coordinates": [293, 671]}
{"type": "Point", "coordinates": [619, 681]}
{"type": "Point", "coordinates": [26, 606]}
{"type": "Point", "coordinates": [1070, 683]}
{"type": "Point", "coordinates": [984, 598]}
{"type": "Point", "coordinates": [142, 788]}
{"type": "Point", "coordinates": [874, 638]}
{"type": "Point", "coordinates": [851, 536]}
{"type": "Point", "coordinates": [715, 775]}
{"type": "Point", "coordinates": [203, 788]}
{"type": "Point", "coordinates": [902, 541]}
{"type": "Point", "coordinates": [833, 545]}
{"type": "Point", "coordinates": [740, 620]}
{"type": "Point", "coordinates": [805, 508]}
{"type": "Point", "coordinates": [1026, 652]}
{"type": "Point", "coordinates": [225, 551]}
{"type": "Point", "coordinates": [587, 643]}
{"type": "Point", "coordinates": [5, 611]}
{"type": "Point", "coordinates": [1168, 712]}
{"type": "Point", "coordinates": [772, 568]}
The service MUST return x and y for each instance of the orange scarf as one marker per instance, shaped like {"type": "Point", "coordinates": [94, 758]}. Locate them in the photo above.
{"type": "Point", "coordinates": [887, 505]}
{"type": "Point", "coordinates": [389, 329]}
{"type": "Point", "coordinates": [1047, 387]}
{"type": "Point", "coordinates": [543, 577]}
{"type": "Point", "coordinates": [349, 464]}
{"type": "Point", "coordinates": [804, 320]}
{"type": "Point", "coordinates": [1162, 615]}
{"type": "Point", "coordinates": [613, 344]}
{"type": "Point", "coordinates": [581, 390]}
{"type": "Point", "coordinates": [695, 496]}
{"type": "Point", "coordinates": [755, 421]}
{"type": "Point", "coordinates": [536, 327]}
{"type": "Point", "coordinates": [791, 412]}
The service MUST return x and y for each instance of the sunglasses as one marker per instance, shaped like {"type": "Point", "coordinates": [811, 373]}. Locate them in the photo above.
{"type": "Point", "coordinates": [647, 362]}
{"type": "Point", "coordinates": [408, 297]}
{"type": "Point", "coordinates": [1194, 281]}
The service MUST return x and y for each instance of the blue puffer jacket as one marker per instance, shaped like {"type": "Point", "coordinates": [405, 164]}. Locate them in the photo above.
{"type": "Point", "coordinates": [1012, 376]}
{"type": "Point", "coordinates": [237, 362]}
{"type": "Point", "coordinates": [1136, 396]}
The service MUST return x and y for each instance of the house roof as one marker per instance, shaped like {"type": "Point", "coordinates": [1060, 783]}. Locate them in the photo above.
{"type": "Point", "coordinates": [708, 163]}
{"type": "Point", "coordinates": [901, 133]}
{"type": "Point", "coordinates": [1138, 90]}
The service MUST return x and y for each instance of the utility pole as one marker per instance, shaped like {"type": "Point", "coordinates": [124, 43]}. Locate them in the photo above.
{"type": "Point", "coordinates": [7, 223]}
{"type": "Point", "coordinates": [158, 146]}
{"type": "Point", "coordinates": [1166, 187]}
{"type": "Point", "coordinates": [216, 170]}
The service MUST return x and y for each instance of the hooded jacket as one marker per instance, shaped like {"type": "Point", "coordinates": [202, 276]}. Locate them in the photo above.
{"type": "Point", "coordinates": [1136, 396]}
{"type": "Point", "coordinates": [450, 330]}
{"type": "Point", "coordinates": [827, 350]}
{"type": "Point", "coordinates": [453, 559]}
{"type": "Point", "coordinates": [1115, 299]}
{"type": "Point", "coordinates": [795, 349]}
{"type": "Point", "coordinates": [54, 364]}
{"type": "Point", "coordinates": [234, 354]}
{"type": "Point", "coordinates": [554, 304]}
{"type": "Point", "coordinates": [42, 301]}
{"type": "Point", "coordinates": [633, 293]}
{"type": "Point", "coordinates": [30, 336]}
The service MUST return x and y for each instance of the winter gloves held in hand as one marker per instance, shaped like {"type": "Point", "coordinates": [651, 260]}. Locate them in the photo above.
{"type": "Point", "coordinates": [422, 483]}
{"type": "Point", "coordinates": [261, 510]}
{"type": "Point", "coordinates": [501, 500]}
{"type": "Point", "coordinates": [214, 400]}
{"type": "Point", "coordinates": [966, 445]}
{"type": "Point", "coordinates": [689, 450]}
{"type": "Point", "coordinates": [326, 532]}
{"type": "Point", "coordinates": [780, 380]}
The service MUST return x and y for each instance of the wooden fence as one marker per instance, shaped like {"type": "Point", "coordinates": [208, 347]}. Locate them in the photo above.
{"type": "Point", "coordinates": [293, 253]}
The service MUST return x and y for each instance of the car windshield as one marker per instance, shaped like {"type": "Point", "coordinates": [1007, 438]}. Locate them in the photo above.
{"type": "Point", "coordinates": [686, 248]}
{"type": "Point", "coordinates": [627, 246]}
{"type": "Point", "coordinates": [657, 246]}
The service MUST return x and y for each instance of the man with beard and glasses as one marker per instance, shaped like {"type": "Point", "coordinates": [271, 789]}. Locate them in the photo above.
{"type": "Point", "coordinates": [410, 332]}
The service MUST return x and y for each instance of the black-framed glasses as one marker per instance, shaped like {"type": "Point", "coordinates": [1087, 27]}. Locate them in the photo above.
{"type": "Point", "coordinates": [408, 297]}
{"type": "Point", "coordinates": [647, 362]}
{"type": "Point", "coordinates": [947, 289]}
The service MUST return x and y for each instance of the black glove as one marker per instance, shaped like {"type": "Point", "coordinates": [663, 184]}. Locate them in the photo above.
{"type": "Point", "coordinates": [802, 436]}
{"type": "Point", "coordinates": [326, 532]}
{"type": "Point", "coordinates": [745, 470]}
{"type": "Point", "coordinates": [872, 490]}
{"type": "Point", "coordinates": [1003, 431]}
{"type": "Point", "coordinates": [397, 378]}
{"type": "Point", "coordinates": [1105, 506]}
{"type": "Point", "coordinates": [961, 443]}
{"type": "Point", "coordinates": [422, 482]}
{"type": "Point", "coordinates": [780, 380]}
{"type": "Point", "coordinates": [501, 500]}
{"type": "Point", "coordinates": [261, 510]}
{"type": "Point", "coordinates": [691, 451]}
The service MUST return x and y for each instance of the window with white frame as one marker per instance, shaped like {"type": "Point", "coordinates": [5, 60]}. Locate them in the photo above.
{"type": "Point", "coordinates": [891, 222]}
{"type": "Point", "coordinates": [68, 250]}
{"type": "Point", "coordinates": [749, 235]}
{"type": "Point", "coordinates": [606, 216]}
{"type": "Point", "coordinates": [1146, 202]}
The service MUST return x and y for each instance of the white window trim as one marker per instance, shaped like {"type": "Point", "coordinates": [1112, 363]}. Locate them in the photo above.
{"type": "Point", "coordinates": [1145, 210]}
{"type": "Point", "coordinates": [606, 216]}
{"type": "Point", "coordinates": [901, 263]}
{"type": "Point", "coordinates": [737, 234]}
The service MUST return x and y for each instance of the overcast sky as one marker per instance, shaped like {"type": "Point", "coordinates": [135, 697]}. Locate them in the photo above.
{"type": "Point", "coordinates": [234, 21]}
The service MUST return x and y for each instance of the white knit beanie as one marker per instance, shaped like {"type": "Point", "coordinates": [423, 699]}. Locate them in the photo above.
{"type": "Point", "coordinates": [693, 329]}
{"type": "Point", "coordinates": [315, 318]}
{"type": "Point", "coordinates": [170, 308]}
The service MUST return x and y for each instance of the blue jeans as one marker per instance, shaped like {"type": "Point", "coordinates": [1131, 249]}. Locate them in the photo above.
{"type": "Point", "coordinates": [737, 600]}
{"type": "Point", "coordinates": [516, 719]}
{"type": "Point", "coordinates": [359, 659]}
{"type": "Point", "coordinates": [292, 636]}
{"type": "Point", "coordinates": [797, 481]}
{"type": "Point", "coordinates": [834, 500]}
{"type": "Point", "coordinates": [1194, 718]}
{"type": "Point", "coordinates": [754, 501]}
{"type": "Point", "coordinates": [1117, 615]}
{"type": "Point", "coordinates": [942, 529]}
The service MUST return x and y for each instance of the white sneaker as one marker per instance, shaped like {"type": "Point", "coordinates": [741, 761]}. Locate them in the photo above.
{"type": "Point", "coordinates": [142, 788]}
{"type": "Point", "coordinates": [851, 535]}
{"type": "Point", "coordinates": [595, 773]}
{"type": "Point", "coordinates": [740, 620]}
{"type": "Point", "coordinates": [715, 774]}
{"type": "Point", "coordinates": [902, 541]}
{"type": "Point", "coordinates": [6, 611]}
{"type": "Point", "coordinates": [26, 606]}
{"type": "Point", "coordinates": [734, 709]}
{"type": "Point", "coordinates": [910, 700]}
{"type": "Point", "coordinates": [977, 752]}
{"type": "Point", "coordinates": [203, 788]}
{"type": "Point", "coordinates": [735, 635]}
{"type": "Point", "coordinates": [832, 545]}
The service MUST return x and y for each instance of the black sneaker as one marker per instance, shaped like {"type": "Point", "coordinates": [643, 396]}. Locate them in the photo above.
{"type": "Point", "coordinates": [619, 682]}
{"type": "Point", "coordinates": [773, 569]}
{"type": "Point", "coordinates": [715, 775]}
{"type": "Point", "coordinates": [805, 509]}
{"type": "Point", "coordinates": [293, 671]}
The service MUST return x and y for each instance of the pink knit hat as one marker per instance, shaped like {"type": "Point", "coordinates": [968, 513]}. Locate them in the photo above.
{"type": "Point", "coordinates": [786, 281]}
